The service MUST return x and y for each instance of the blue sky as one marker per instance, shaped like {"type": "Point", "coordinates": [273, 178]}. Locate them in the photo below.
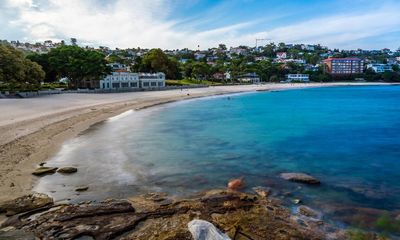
{"type": "Point", "coordinates": [175, 24]}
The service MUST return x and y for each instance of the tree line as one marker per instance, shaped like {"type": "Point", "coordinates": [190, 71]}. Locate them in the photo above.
{"type": "Point", "coordinates": [82, 65]}
{"type": "Point", "coordinates": [17, 71]}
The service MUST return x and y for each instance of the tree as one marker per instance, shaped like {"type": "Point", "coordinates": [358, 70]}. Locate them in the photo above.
{"type": "Point", "coordinates": [78, 64]}
{"type": "Point", "coordinates": [43, 60]}
{"type": "Point", "coordinates": [157, 61]}
{"type": "Point", "coordinates": [73, 41]}
{"type": "Point", "coordinates": [269, 50]}
{"type": "Point", "coordinates": [396, 68]}
{"type": "Point", "coordinates": [201, 70]}
{"type": "Point", "coordinates": [187, 69]}
{"type": "Point", "coordinates": [16, 70]}
{"type": "Point", "coordinates": [114, 58]}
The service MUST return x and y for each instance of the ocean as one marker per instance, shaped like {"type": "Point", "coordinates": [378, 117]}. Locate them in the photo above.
{"type": "Point", "coordinates": [347, 137]}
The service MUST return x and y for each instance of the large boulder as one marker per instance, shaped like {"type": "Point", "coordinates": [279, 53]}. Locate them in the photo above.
{"type": "Point", "coordinates": [26, 203]}
{"type": "Point", "coordinates": [300, 177]}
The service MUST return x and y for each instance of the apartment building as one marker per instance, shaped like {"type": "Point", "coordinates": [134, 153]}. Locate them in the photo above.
{"type": "Point", "coordinates": [344, 66]}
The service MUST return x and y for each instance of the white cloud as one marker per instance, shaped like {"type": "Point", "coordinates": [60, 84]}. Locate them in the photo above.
{"type": "Point", "coordinates": [144, 23]}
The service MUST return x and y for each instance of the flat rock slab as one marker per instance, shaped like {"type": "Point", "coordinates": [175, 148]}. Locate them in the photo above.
{"type": "Point", "coordinates": [26, 203]}
{"type": "Point", "coordinates": [300, 177]}
{"type": "Point", "coordinates": [40, 171]}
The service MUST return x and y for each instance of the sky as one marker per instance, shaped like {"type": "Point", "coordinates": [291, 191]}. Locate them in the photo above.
{"type": "Point", "coordinates": [177, 24]}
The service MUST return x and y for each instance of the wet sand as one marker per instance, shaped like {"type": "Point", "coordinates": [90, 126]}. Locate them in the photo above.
{"type": "Point", "coordinates": [32, 130]}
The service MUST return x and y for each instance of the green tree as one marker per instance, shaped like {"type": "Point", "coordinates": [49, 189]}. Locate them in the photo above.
{"type": "Point", "coordinates": [157, 61]}
{"type": "Point", "coordinates": [18, 71]}
{"type": "Point", "coordinates": [43, 60]}
{"type": "Point", "coordinates": [78, 64]}
{"type": "Point", "coordinates": [201, 70]}
{"type": "Point", "coordinates": [269, 50]}
{"type": "Point", "coordinates": [187, 69]}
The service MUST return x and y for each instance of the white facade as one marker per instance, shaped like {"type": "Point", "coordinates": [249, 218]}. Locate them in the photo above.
{"type": "Point", "coordinates": [126, 80]}
{"type": "Point", "coordinates": [151, 80]}
{"type": "Point", "coordinates": [250, 78]}
{"type": "Point", "coordinates": [380, 68]}
{"type": "Point", "coordinates": [297, 78]}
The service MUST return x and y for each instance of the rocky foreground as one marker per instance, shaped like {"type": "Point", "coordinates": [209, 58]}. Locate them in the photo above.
{"type": "Point", "coordinates": [155, 216]}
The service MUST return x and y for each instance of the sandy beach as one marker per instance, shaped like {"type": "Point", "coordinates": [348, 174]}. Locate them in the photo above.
{"type": "Point", "coordinates": [32, 130]}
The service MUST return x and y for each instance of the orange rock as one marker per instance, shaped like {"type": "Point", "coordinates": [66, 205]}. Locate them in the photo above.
{"type": "Point", "coordinates": [236, 184]}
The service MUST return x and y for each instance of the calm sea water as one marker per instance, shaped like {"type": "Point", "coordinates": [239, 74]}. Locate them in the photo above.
{"type": "Point", "coordinates": [348, 137]}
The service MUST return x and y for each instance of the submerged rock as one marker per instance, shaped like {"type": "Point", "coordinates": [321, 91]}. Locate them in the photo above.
{"type": "Point", "coordinates": [40, 171]}
{"type": "Point", "coordinates": [296, 201]}
{"type": "Point", "coordinates": [81, 189]}
{"type": "Point", "coordinates": [236, 184]}
{"type": "Point", "coordinates": [300, 177]}
{"type": "Point", "coordinates": [26, 203]}
{"type": "Point", "coordinates": [263, 192]}
{"type": "Point", "coordinates": [308, 212]}
{"type": "Point", "coordinates": [67, 170]}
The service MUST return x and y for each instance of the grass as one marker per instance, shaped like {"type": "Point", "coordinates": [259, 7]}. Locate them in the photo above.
{"type": "Point", "coordinates": [190, 82]}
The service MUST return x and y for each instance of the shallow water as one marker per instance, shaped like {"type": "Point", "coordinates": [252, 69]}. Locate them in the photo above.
{"type": "Point", "coordinates": [348, 137]}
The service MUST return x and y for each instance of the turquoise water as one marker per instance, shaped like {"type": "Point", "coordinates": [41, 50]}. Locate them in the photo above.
{"type": "Point", "coordinates": [348, 137]}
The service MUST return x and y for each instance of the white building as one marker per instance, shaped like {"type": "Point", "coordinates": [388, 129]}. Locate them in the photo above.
{"type": "Point", "coordinates": [250, 78]}
{"type": "Point", "coordinates": [380, 68]}
{"type": "Point", "coordinates": [151, 80]}
{"type": "Point", "coordinates": [262, 58]}
{"type": "Point", "coordinates": [281, 55]}
{"type": "Point", "coordinates": [117, 66]}
{"type": "Point", "coordinates": [128, 80]}
{"type": "Point", "coordinates": [297, 78]}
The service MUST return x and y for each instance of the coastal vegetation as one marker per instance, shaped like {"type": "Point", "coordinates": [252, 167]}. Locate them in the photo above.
{"type": "Point", "coordinates": [186, 82]}
{"type": "Point", "coordinates": [79, 65]}
{"type": "Point", "coordinates": [17, 71]}
{"type": "Point", "coordinates": [72, 62]}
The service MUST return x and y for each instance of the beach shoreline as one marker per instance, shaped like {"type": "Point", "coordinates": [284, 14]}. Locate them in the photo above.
{"type": "Point", "coordinates": [33, 130]}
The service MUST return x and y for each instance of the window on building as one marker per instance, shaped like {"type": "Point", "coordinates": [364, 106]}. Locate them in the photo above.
{"type": "Point", "coordinates": [145, 84]}
{"type": "Point", "coordinates": [125, 84]}
{"type": "Point", "coordinates": [154, 84]}
{"type": "Point", "coordinates": [115, 85]}
{"type": "Point", "coordinates": [133, 84]}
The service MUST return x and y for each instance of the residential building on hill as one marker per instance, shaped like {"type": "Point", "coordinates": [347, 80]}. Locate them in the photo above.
{"type": "Point", "coordinates": [380, 68]}
{"type": "Point", "coordinates": [281, 55]}
{"type": "Point", "coordinates": [249, 78]}
{"type": "Point", "coordinates": [117, 66]}
{"type": "Point", "coordinates": [297, 78]}
{"type": "Point", "coordinates": [344, 66]}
